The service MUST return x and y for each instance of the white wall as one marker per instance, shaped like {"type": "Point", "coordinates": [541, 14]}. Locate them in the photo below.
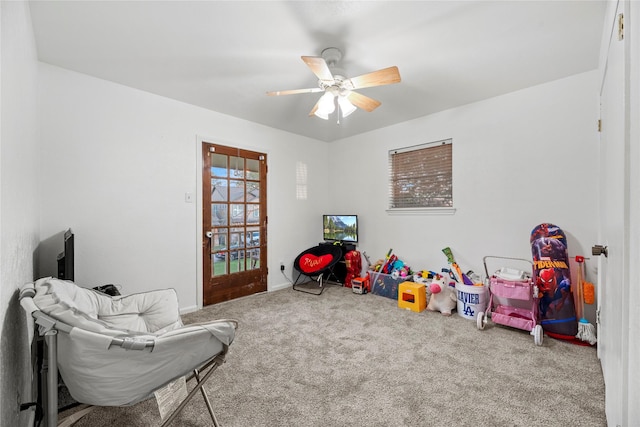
{"type": "Point", "coordinates": [519, 160]}
{"type": "Point", "coordinates": [19, 208]}
{"type": "Point", "coordinates": [117, 163]}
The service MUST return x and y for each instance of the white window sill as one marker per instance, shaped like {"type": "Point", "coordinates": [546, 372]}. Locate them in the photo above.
{"type": "Point", "coordinates": [422, 211]}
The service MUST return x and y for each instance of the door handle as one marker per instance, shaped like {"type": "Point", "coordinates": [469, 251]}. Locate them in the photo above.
{"type": "Point", "coordinates": [598, 250]}
{"type": "Point", "coordinates": [209, 234]}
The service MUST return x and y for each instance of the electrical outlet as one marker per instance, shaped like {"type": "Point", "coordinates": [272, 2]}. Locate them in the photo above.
{"type": "Point", "coordinates": [281, 266]}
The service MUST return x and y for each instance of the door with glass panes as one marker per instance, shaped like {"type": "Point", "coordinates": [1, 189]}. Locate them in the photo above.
{"type": "Point", "coordinates": [234, 223]}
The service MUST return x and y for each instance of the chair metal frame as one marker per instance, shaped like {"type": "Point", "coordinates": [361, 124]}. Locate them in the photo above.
{"type": "Point", "coordinates": [49, 328]}
{"type": "Point", "coordinates": [317, 275]}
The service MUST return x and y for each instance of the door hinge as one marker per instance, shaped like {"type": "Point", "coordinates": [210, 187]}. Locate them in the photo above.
{"type": "Point", "coordinates": [620, 27]}
{"type": "Point", "coordinates": [598, 316]}
{"type": "Point", "coordinates": [599, 125]}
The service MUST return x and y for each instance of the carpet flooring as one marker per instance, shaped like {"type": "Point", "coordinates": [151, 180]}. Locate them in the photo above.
{"type": "Point", "coordinates": [342, 359]}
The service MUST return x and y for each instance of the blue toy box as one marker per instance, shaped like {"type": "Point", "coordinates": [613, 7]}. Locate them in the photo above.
{"type": "Point", "coordinates": [384, 284]}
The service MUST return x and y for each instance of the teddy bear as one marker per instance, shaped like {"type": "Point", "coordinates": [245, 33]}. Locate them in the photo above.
{"type": "Point", "coordinates": [441, 296]}
{"type": "Point", "coordinates": [378, 265]}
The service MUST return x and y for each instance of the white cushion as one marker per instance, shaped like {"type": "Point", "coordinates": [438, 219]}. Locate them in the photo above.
{"type": "Point", "coordinates": [150, 312]}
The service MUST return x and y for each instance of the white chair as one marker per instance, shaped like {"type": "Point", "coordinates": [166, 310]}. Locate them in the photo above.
{"type": "Point", "coordinates": [117, 351]}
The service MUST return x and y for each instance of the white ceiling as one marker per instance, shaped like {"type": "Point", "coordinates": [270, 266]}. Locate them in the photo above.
{"type": "Point", "coordinates": [225, 55]}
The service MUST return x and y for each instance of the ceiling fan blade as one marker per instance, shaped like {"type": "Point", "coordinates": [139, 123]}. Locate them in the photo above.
{"type": "Point", "coordinates": [382, 77]}
{"type": "Point", "coordinates": [364, 102]}
{"type": "Point", "coordinates": [293, 91]}
{"type": "Point", "coordinates": [314, 109]}
{"type": "Point", "coordinates": [319, 67]}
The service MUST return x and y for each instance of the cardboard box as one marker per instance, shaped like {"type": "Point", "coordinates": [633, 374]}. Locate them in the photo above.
{"type": "Point", "coordinates": [384, 284]}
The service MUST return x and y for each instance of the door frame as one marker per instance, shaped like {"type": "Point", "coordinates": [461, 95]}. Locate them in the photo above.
{"type": "Point", "coordinates": [199, 232]}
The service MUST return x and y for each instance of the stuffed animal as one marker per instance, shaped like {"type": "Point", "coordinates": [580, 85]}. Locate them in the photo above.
{"type": "Point", "coordinates": [442, 297]}
{"type": "Point", "coordinates": [378, 265]}
{"type": "Point", "coordinates": [400, 270]}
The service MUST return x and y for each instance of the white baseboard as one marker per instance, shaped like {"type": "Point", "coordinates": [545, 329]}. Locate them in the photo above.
{"type": "Point", "coordinates": [279, 287]}
{"type": "Point", "coordinates": [189, 309]}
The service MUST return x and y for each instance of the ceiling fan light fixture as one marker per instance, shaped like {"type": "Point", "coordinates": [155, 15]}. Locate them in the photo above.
{"type": "Point", "coordinates": [321, 114]}
{"type": "Point", "coordinates": [346, 107]}
{"type": "Point", "coordinates": [338, 87]}
{"type": "Point", "coordinates": [326, 106]}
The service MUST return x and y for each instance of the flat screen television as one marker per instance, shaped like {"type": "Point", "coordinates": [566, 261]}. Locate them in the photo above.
{"type": "Point", "coordinates": [65, 258]}
{"type": "Point", "coordinates": [343, 228]}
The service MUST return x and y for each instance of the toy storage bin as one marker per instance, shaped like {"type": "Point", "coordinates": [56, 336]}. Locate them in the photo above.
{"type": "Point", "coordinates": [471, 300]}
{"type": "Point", "coordinates": [412, 296]}
{"type": "Point", "coordinates": [384, 284]}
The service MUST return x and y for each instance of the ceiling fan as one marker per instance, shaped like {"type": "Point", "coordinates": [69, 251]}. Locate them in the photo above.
{"type": "Point", "coordinates": [335, 85]}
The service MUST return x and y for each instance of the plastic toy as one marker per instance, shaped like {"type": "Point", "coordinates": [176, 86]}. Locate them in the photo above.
{"type": "Point", "coordinates": [400, 270]}
{"type": "Point", "coordinates": [360, 285]}
{"type": "Point", "coordinates": [353, 263]}
{"type": "Point", "coordinates": [457, 273]}
{"type": "Point", "coordinates": [378, 265]}
{"type": "Point", "coordinates": [442, 296]}
{"type": "Point", "coordinates": [513, 299]}
{"type": "Point", "coordinates": [557, 311]}
{"type": "Point", "coordinates": [387, 262]}
{"type": "Point", "coordinates": [586, 331]}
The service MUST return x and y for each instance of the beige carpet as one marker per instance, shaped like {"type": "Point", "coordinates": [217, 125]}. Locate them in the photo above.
{"type": "Point", "coordinates": [342, 359]}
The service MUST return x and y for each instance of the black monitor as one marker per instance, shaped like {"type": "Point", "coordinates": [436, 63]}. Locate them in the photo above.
{"type": "Point", "coordinates": [65, 258]}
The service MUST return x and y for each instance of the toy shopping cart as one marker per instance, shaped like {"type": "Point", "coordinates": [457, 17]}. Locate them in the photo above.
{"type": "Point", "coordinates": [513, 299]}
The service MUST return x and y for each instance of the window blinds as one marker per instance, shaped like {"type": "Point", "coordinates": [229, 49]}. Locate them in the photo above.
{"type": "Point", "coordinates": [421, 176]}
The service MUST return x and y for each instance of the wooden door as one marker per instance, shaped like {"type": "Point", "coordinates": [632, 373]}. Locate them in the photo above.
{"type": "Point", "coordinates": [234, 184]}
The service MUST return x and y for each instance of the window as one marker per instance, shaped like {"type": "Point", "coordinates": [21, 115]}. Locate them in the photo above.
{"type": "Point", "coordinates": [421, 176]}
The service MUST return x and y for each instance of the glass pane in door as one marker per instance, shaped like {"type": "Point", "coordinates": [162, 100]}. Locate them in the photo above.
{"type": "Point", "coordinates": [253, 169]}
{"type": "Point", "coordinates": [236, 191]}
{"type": "Point", "coordinates": [253, 214]}
{"type": "Point", "coordinates": [253, 237]}
{"type": "Point", "coordinates": [219, 190]}
{"type": "Point", "coordinates": [236, 167]}
{"type": "Point", "coordinates": [219, 165]}
{"type": "Point", "coordinates": [253, 260]}
{"type": "Point", "coordinates": [253, 192]}
{"type": "Point", "coordinates": [237, 213]}
{"type": "Point", "coordinates": [218, 214]}
{"type": "Point", "coordinates": [218, 264]}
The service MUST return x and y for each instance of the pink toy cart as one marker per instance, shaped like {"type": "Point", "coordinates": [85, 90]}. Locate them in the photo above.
{"type": "Point", "coordinates": [513, 299]}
